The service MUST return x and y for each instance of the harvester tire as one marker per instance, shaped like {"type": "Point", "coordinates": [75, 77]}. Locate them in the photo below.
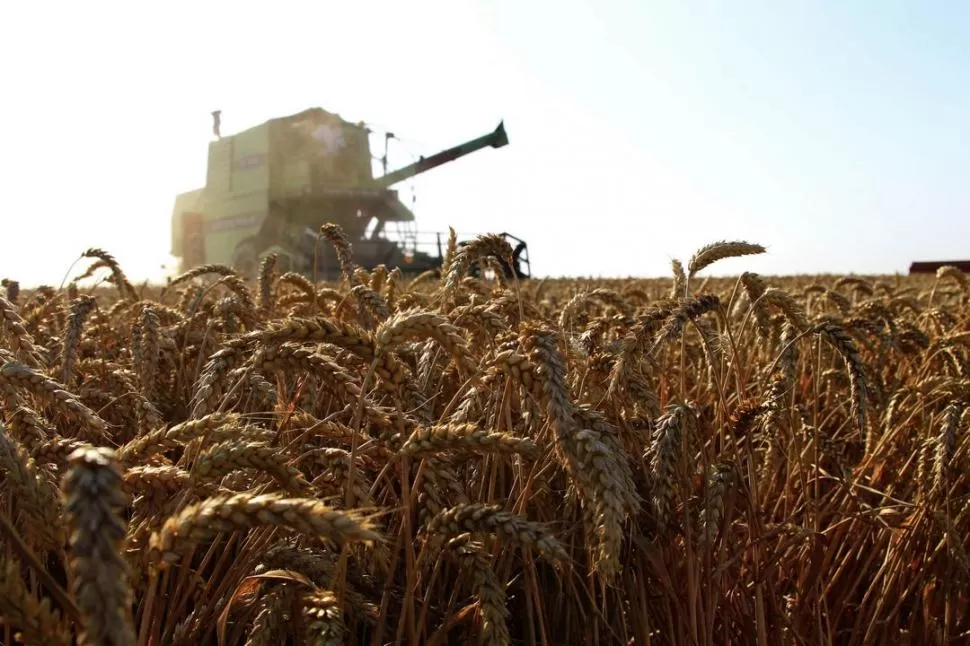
{"type": "Point", "coordinates": [245, 259]}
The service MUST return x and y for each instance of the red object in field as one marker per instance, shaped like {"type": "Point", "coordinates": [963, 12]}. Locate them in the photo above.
{"type": "Point", "coordinates": [931, 267]}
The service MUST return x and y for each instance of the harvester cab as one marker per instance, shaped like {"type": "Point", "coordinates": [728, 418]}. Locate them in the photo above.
{"type": "Point", "coordinates": [269, 189]}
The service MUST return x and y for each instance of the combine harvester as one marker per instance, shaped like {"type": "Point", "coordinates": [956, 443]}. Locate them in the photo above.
{"type": "Point", "coordinates": [270, 188]}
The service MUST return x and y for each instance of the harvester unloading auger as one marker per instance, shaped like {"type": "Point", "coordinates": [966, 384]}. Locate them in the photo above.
{"type": "Point", "coordinates": [270, 188]}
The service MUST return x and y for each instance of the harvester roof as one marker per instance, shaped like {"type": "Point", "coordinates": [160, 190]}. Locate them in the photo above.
{"type": "Point", "coordinates": [309, 118]}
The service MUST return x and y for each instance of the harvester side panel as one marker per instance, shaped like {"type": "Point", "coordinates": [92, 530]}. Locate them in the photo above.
{"type": "Point", "coordinates": [238, 165]}
{"type": "Point", "coordinates": [293, 178]}
{"type": "Point", "coordinates": [231, 220]}
{"type": "Point", "coordinates": [188, 202]}
{"type": "Point", "coordinates": [218, 179]}
{"type": "Point", "coordinates": [193, 238]}
{"type": "Point", "coordinates": [251, 170]}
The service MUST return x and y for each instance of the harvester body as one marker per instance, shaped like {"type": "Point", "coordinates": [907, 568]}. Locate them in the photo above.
{"type": "Point", "coordinates": [269, 189]}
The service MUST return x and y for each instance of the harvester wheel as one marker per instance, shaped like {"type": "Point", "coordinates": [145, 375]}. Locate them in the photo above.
{"type": "Point", "coordinates": [245, 259]}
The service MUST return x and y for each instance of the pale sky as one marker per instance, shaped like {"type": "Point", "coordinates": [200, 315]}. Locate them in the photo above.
{"type": "Point", "coordinates": [834, 133]}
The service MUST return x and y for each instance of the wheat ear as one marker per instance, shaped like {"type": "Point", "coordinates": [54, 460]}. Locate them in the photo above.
{"type": "Point", "coordinates": [243, 511]}
{"type": "Point", "coordinates": [94, 503]}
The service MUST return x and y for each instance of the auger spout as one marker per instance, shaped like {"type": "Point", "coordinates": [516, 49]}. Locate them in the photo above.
{"type": "Point", "coordinates": [496, 139]}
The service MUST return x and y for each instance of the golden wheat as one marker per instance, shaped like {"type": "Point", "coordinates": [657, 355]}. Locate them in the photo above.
{"type": "Point", "coordinates": [461, 457]}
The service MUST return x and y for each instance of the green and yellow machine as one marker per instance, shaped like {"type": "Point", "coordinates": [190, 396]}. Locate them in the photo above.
{"type": "Point", "coordinates": [269, 188]}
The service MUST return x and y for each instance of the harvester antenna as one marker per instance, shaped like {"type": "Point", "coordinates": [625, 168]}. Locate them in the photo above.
{"type": "Point", "coordinates": [387, 137]}
{"type": "Point", "coordinates": [216, 123]}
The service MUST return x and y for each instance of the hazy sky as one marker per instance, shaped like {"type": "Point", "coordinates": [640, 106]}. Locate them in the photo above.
{"type": "Point", "coordinates": [834, 133]}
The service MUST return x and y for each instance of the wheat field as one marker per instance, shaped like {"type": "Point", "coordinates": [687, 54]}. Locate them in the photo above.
{"type": "Point", "coordinates": [461, 458]}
